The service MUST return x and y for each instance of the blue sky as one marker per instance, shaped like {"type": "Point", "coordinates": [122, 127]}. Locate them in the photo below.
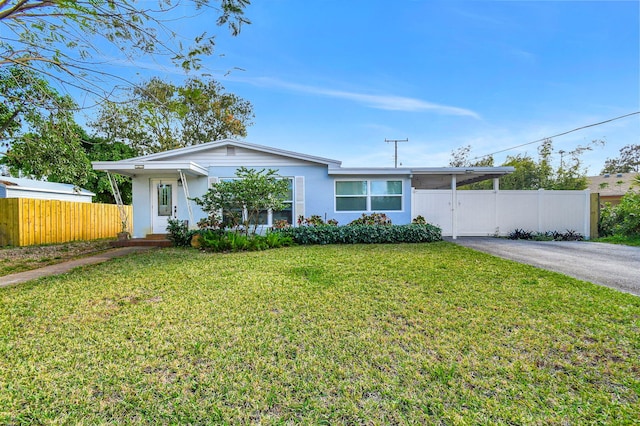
{"type": "Point", "coordinates": [337, 78]}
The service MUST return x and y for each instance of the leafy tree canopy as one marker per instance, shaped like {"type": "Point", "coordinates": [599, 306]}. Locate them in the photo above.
{"type": "Point", "coordinates": [39, 137]}
{"type": "Point", "coordinates": [627, 161]}
{"type": "Point", "coordinates": [159, 116]}
{"type": "Point", "coordinates": [66, 39]}
{"type": "Point", "coordinates": [532, 174]}
{"type": "Point", "coordinates": [37, 130]}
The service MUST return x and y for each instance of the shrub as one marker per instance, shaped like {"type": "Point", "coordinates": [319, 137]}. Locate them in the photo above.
{"type": "Point", "coordinates": [371, 219]}
{"type": "Point", "coordinates": [569, 235]}
{"type": "Point", "coordinates": [179, 233]}
{"type": "Point", "coordinates": [419, 220]}
{"type": "Point", "coordinates": [224, 241]}
{"type": "Point", "coordinates": [363, 234]}
{"type": "Point", "coordinates": [315, 220]}
{"type": "Point", "coordinates": [608, 220]}
{"type": "Point", "coordinates": [520, 234]}
{"type": "Point", "coordinates": [623, 219]}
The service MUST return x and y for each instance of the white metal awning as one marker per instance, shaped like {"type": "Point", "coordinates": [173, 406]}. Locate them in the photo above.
{"type": "Point", "coordinates": [138, 168]}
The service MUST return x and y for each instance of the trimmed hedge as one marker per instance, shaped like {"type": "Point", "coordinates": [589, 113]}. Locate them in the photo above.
{"type": "Point", "coordinates": [363, 234]}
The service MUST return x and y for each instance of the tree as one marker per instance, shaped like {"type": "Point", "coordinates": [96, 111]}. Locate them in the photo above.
{"type": "Point", "coordinates": [100, 149]}
{"type": "Point", "coordinates": [66, 39]}
{"type": "Point", "coordinates": [627, 161]}
{"type": "Point", "coordinates": [460, 158]}
{"type": "Point", "coordinates": [41, 139]}
{"type": "Point", "coordinates": [26, 101]}
{"type": "Point", "coordinates": [38, 131]}
{"type": "Point", "coordinates": [239, 203]}
{"type": "Point", "coordinates": [159, 116]}
{"type": "Point", "coordinates": [532, 174]}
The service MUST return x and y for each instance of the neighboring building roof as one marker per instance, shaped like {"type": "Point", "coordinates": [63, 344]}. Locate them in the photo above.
{"type": "Point", "coordinates": [43, 186]}
{"type": "Point", "coordinates": [611, 185]}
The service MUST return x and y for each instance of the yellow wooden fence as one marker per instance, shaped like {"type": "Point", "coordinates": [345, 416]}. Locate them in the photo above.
{"type": "Point", "coordinates": [28, 221]}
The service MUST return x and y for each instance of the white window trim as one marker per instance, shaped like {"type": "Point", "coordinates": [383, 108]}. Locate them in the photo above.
{"type": "Point", "coordinates": [368, 196]}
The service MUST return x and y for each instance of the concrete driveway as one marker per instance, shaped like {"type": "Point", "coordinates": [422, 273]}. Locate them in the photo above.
{"type": "Point", "coordinates": [611, 265]}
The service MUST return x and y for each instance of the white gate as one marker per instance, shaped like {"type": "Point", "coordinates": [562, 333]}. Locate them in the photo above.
{"type": "Point", "coordinates": [483, 213]}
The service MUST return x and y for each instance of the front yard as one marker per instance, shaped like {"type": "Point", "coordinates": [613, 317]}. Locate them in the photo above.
{"type": "Point", "coordinates": [362, 334]}
{"type": "Point", "coordinates": [19, 259]}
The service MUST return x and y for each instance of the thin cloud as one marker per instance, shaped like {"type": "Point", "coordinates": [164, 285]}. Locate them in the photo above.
{"type": "Point", "coordinates": [384, 102]}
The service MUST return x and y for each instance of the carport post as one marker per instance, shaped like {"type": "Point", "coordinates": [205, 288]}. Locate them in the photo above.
{"type": "Point", "coordinates": [454, 208]}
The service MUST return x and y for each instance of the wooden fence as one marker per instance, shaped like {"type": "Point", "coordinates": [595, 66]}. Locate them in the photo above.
{"type": "Point", "coordinates": [28, 221]}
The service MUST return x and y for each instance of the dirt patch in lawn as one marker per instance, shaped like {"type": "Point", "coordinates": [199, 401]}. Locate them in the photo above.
{"type": "Point", "coordinates": [19, 259]}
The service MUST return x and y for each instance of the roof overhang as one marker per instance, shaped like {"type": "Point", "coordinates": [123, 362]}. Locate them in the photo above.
{"type": "Point", "coordinates": [429, 177]}
{"type": "Point", "coordinates": [441, 177]}
{"type": "Point", "coordinates": [369, 171]}
{"type": "Point", "coordinates": [137, 168]}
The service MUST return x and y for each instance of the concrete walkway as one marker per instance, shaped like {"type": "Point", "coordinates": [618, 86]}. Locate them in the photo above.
{"type": "Point", "coordinates": [64, 267]}
{"type": "Point", "coordinates": [611, 265]}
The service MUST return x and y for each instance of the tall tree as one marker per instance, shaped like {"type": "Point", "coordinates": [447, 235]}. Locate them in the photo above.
{"type": "Point", "coordinates": [65, 39]}
{"type": "Point", "coordinates": [532, 174]}
{"type": "Point", "coordinates": [100, 149]}
{"type": "Point", "coordinates": [627, 161]}
{"type": "Point", "coordinates": [37, 130]}
{"type": "Point", "coordinates": [158, 116]}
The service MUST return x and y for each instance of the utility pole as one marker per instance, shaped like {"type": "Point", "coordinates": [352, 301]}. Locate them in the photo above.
{"type": "Point", "coordinates": [395, 142]}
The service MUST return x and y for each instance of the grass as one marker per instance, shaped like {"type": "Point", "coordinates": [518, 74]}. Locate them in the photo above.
{"type": "Point", "coordinates": [619, 239]}
{"type": "Point", "coordinates": [378, 334]}
{"type": "Point", "coordinates": [20, 259]}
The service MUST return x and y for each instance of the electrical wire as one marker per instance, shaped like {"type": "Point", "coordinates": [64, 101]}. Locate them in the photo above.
{"type": "Point", "coordinates": [559, 134]}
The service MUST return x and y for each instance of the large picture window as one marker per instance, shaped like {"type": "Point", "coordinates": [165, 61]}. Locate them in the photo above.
{"type": "Point", "coordinates": [265, 217]}
{"type": "Point", "coordinates": [368, 195]}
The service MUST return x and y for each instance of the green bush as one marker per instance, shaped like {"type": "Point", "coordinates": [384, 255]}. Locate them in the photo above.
{"type": "Point", "coordinates": [224, 241]}
{"type": "Point", "coordinates": [315, 220]}
{"type": "Point", "coordinates": [371, 219]}
{"type": "Point", "coordinates": [623, 219]}
{"type": "Point", "coordinates": [179, 233]}
{"type": "Point", "coordinates": [363, 234]}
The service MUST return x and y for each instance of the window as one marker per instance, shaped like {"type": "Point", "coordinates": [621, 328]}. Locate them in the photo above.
{"type": "Point", "coordinates": [287, 212]}
{"type": "Point", "coordinates": [365, 195]}
{"type": "Point", "coordinates": [265, 217]}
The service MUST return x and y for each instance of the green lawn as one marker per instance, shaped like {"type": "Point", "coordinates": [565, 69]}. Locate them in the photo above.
{"type": "Point", "coordinates": [619, 239]}
{"type": "Point", "coordinates": [380, 334]}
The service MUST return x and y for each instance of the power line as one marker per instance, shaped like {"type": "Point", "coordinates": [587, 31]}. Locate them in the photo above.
{"type": "Point", "coordinates": [559, 134]}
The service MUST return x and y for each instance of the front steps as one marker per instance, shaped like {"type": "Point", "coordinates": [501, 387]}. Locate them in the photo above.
{"type": "Point", "coordinates": [151, 240]}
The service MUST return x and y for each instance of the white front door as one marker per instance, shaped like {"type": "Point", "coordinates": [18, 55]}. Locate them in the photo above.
{"type": "Point", "coordinates": [163, 203]}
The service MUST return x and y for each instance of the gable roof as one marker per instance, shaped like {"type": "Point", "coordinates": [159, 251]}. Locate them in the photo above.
{"type": "Point", "coordinates": [166, 155]}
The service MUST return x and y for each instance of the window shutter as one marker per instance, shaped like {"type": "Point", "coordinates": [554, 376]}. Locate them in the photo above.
{"type": "Point", "coordinates": [212, 180]}
{"type": "Point", "coordinates": [298, 198]}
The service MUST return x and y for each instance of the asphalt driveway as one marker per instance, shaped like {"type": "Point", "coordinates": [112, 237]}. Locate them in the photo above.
{"type": "Point", "coordinates": [611, 265]}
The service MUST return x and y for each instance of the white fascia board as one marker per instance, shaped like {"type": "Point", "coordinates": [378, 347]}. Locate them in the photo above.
{"type": "Point", "coordinates": [130, 168]}
{"type": "Point", "coordinates": [376, 171]}
{"type": "Point", "coordinates": [462, 170]}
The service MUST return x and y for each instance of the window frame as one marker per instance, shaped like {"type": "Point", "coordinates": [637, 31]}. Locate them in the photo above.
{"type": "Point", "coordinates": [368, 196]}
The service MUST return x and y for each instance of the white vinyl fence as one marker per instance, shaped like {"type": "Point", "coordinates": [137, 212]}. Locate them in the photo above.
{"type": "Point", "coordinates": [484, 213]}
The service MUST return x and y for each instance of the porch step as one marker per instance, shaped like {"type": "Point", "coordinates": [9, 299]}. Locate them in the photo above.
{"type": "Point", "coordinates": [156, 237]}
{"type": "Point", "coordinates": [143, 242]}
